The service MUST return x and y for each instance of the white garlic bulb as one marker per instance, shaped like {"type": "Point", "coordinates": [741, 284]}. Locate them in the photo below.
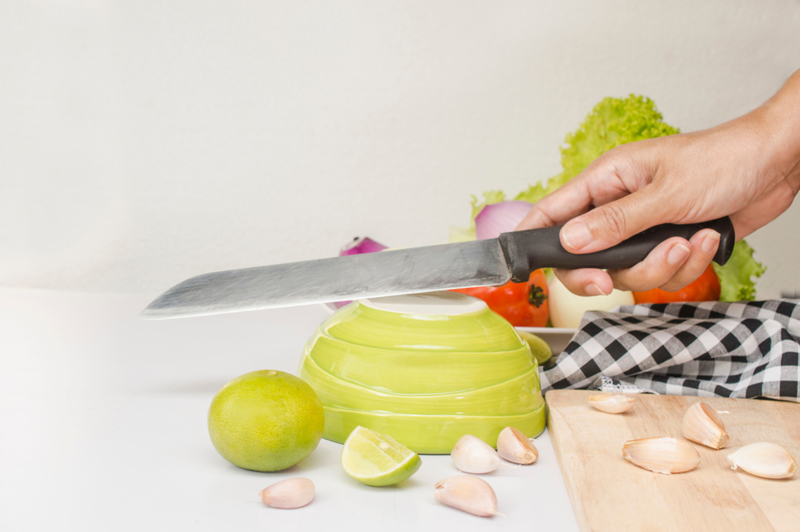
{"type": "Point", "coordinates": [612, 404]}
{"type": "Point", "coordinates": [514, 446]}
{"type": "Point", "coordinates": [469, 494]}
{"type": "Point", "coordinates": [661, 455]}
{"type": "Point", "coordinates": [701, 424]}
{"type": "Point", "coordinates": [473, 455]}
{"type": "Point", "coordinates": [766, 460]}
{"type": "Point", "coordinates": [289, 493]}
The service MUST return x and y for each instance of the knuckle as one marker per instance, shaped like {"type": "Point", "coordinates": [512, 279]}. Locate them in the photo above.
{"type": "Point", "coordinates": [619, 160]}
{"type": "Point", "coordinates": [683, 278]}
{"type": "Point", "coordinates": [672, 286]}
{"type": "Point", "coordinates": [641, 277]}
{"type": "Point", "coordinates": [614, 220]}
{"type": "Point", "coordinates": [622, 280]}
{"type": "Point", "coordinates": [613, 164]}
{"type": "Point", "coordinates": [623, 286]}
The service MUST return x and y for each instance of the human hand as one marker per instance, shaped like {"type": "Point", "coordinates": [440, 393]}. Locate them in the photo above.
{"type": "Point", "coordinates": [748, 169]}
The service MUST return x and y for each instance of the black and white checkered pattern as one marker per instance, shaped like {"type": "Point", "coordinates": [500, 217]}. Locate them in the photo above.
{"type": "Point", "coordinates": [747, 349]}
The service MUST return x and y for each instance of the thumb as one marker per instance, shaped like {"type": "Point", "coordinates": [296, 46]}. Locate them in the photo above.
{"type": "Point", "coordinates": [610, 224]}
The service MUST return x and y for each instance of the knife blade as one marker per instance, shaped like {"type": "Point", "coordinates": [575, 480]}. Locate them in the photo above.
{"type": "Point", "coordinates": [512, 256]}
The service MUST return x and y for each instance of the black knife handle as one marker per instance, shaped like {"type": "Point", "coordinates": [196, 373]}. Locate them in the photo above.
{"type": "Point", "coordinates": [529, 250]}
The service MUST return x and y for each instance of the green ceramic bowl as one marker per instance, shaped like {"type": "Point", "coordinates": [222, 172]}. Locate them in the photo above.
{"type": "Point", "coordinates": [425, 369]}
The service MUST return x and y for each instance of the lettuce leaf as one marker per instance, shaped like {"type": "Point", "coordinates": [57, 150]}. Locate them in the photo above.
{"type": "Point", "coordinates": [736, 277]}
{"type": "Point", "coordinates": [613, 122]}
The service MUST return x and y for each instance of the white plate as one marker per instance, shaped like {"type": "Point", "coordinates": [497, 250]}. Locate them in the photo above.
{"type": "Point", "coordinates": [556, 338]}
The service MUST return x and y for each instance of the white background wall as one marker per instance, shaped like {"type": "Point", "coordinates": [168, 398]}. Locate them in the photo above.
{"type": "Point", "coordinates": [142, 142]}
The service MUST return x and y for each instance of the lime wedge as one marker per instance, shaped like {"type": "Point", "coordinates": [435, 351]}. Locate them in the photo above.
{"type": "Point", "coordinates": [375, 459]}
{"type": "Point", "coordinates": [540, 349]}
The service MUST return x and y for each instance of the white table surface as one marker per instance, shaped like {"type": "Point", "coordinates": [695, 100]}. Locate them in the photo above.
{"type": "Point", "coordinates": [103, 427]}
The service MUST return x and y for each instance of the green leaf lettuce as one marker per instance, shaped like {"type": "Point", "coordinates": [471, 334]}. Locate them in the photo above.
{"type": "Point", "coordinates": [613, 122]}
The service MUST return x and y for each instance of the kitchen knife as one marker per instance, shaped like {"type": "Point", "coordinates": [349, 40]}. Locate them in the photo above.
{"type": "Point", "coordinates": [512, 256]}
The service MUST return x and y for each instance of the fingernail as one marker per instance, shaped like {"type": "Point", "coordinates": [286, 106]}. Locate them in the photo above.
{"type": "Point", "coordinates": [576, 235]}
{"type": "Point", "coordinates": [710, 242]}
{"type": "Point", "coordinates": [677, 254]}
{"type": "Point", "coordinates": [594, 290]}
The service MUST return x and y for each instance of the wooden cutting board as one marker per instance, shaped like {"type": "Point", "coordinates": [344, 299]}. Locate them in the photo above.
{"type": "Point", "coordinates": [609, 493]}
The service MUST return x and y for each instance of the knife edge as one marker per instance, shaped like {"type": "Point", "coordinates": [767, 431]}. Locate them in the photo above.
{"type": "Point", "coordinates": [386, 273]}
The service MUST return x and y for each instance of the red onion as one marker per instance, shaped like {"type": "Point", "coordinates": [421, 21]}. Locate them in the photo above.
{"type": "Point", "coordinates": [361, 245]}
{"type": "Point", "coordinates": [356, 247]}
{"type": "Point", "coordinates": [500, 218]}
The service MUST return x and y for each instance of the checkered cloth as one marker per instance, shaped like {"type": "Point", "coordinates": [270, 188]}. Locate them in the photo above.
{"type": "Point", "coordinates": [747, 349]}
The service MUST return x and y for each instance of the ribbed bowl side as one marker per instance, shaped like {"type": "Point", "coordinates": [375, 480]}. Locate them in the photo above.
{"type": "Point", "coordinates": [424, 380]}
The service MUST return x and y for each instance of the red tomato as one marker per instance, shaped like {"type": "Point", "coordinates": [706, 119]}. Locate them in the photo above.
{"type": "Point", "coordinates": [522, 304]}
{"type": "Point", "coordinates": [705, 288]}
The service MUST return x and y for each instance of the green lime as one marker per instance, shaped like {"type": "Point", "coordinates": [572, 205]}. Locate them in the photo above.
{"type": "Point", "coordinates": [376, 459]}
{"type": "Point", "coordinates": [540, 349]}
{"type": "Point", "coordinates": [265, 420]}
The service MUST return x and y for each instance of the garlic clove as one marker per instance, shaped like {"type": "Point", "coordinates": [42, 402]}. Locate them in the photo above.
{"type": "Point", "coordinates": [473, 455]}
{"type": "Point", "coordinates": [612, 404]}
{"type": "Point", "coordinates": [514, 446]}
{"type": "Point", "coordinates": [289, 493]}
{"type": "Point", "coordinates": [766, 460]}
{"type": "Point", "coordinates": [661, 455]}
{"type": "Point", "coordinates": [702, 425]}
{"type": "Point", "coordinates": [469, 494]}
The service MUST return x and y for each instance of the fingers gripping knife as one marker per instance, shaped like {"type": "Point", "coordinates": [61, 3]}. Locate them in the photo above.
{"type": "Point", "coordinates": [512, 256]}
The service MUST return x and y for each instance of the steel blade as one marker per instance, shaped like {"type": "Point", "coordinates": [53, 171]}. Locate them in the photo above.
{"type": "Point", "coordinates": [401, 271]}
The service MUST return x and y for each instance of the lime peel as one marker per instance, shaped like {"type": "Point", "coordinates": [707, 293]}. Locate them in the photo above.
{"type": "Point", "coordinates": [266, 420]}
{"type": "Point", "coordinates": [376, 459]}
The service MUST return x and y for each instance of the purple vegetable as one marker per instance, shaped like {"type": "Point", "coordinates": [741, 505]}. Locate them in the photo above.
{"type": "Point", "coordinates": [357, 246]}
{"type": "Point", "coordinates": [500, 218]}
{"type": "Point", "coordinates": [361, 245]}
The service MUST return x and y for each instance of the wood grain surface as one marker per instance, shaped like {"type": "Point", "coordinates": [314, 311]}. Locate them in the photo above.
{"type": "Point", "coordinates": [610, 494]}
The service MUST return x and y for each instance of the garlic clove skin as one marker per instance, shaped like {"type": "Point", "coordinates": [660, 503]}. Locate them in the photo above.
{"type": "Point", "coordinates": [514, 446]}
{"type": "Point", "coordinates": [612, 404]}
{"type": "Point", "coordinates": [765, 460]}
{"type": "Point", "coordinates": [473, 455]}
{"type": "Point", "coordinates": [702, 425]}
{"type": "Point", "coordinates": [661, 455]}
{"type": "Point", "coordinates": [290, 493]}
{"type": "Point", "coordinates": [468, 494]}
